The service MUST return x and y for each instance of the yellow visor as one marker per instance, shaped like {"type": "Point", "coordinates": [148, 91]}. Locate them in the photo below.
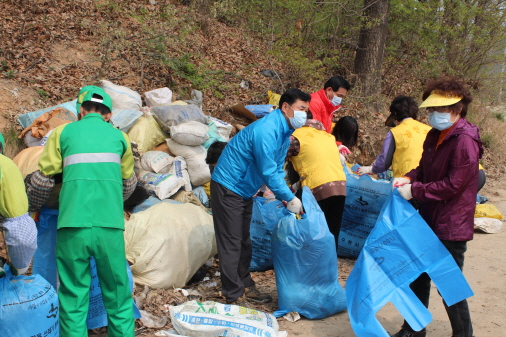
{"type": "Point", "coordinates": [440, 100]}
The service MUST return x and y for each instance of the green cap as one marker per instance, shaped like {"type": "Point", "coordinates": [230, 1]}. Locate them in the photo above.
{"type": "Point", "coordinates": [86, 94]}
{"type": "Point", "coordinates": [2, 141]}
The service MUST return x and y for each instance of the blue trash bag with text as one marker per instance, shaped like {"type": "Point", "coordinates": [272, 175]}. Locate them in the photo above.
{"type": "Point", "coordinates": [305, 262]}
{"type": "Point", "coordinates": [28, 306]}
{"type": "Point", "coordinates": [44, 259]}
{"type": "Point", "coordinates": [266, 215]}
{"type": "Point", "coordinates": [364, 198]}
{"type": "Point", "coordinates": [97, 316]}
{"type": "Point", "coordinates": [400, 248]}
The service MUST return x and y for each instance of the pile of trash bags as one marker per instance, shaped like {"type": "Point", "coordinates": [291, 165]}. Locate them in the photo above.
{"type": "Point", "coordinates": [169, 140]}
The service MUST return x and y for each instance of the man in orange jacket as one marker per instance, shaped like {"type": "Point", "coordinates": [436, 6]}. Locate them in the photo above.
{"type": "Point", "coordinates": [328, 100]}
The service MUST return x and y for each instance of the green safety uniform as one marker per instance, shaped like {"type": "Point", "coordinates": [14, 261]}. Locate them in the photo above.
{"type": "Point", "coordinates": [94, 158]}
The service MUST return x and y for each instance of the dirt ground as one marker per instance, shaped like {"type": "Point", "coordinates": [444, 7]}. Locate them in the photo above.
{"type": "Point", "coordinates": [484, 269]}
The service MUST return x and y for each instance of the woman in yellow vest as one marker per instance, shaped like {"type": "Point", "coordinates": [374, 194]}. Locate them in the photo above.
{"type": "Point", "coordinates": [403, 145]}
{"type": "Point", "coordinates": [316, 162]}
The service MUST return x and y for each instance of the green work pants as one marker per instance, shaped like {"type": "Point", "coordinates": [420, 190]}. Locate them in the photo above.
{"type": "Point", "coordinates": [74, 247]}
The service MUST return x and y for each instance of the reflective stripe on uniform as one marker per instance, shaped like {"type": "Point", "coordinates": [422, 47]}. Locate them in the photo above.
{"type": "Point", "coordinates": [81, 158]}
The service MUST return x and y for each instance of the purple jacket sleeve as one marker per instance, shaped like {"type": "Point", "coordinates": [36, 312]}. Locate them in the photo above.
{"type": "Point", "coordinates": [461, 168]}
{"type": "Point", "coordinates": [384, 160]}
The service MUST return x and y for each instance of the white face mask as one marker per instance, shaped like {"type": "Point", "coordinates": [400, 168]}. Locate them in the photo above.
{"type": "Point", "coordinates": [299, 118]}
{"type": "Point", "coordinates": [440, 120]}
{"type": "Point", "coordinates": [336, 100]}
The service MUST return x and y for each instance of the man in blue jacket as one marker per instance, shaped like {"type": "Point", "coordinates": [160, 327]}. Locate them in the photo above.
{"type": "Point", "coordinates": [255, 156]}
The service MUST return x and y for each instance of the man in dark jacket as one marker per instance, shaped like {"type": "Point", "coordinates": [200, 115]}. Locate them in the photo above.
{"type": "Point", "coordinates": [446, 182]}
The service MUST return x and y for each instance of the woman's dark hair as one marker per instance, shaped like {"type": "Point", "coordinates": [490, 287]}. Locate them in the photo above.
{"type": "Point", "coordinates": [214, 152]}
{"type": "Point", "coordinates": [452, 87]}
{"type": "Point", "coordinates": [292, 95]}
{"type": "Point", "coordinates": [309, 114]}
{"type": "Point", "coordinates": [404, 107]}
{"type": "Point", "coordinates": [291, 175]}
{"type": "Point", "coordinates": [346, 131]}
{"type": "Point", "coordinates": [336, 82]}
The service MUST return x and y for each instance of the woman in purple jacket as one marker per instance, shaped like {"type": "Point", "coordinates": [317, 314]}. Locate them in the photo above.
{"type": "Point", "coordinates": [446, 183]}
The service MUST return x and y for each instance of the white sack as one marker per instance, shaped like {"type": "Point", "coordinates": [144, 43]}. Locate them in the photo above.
{"type": "Point", "coordinates": [161, 185]}
{"type": "Point", "coordinates": [195, 157]}
{"type": "Point", "coordinates": [122, 97]}
{"type": "Point", "coordinates": [224, 129]}
{"type": "Point", "coordinates": [212, 319]}
{"type": "Point", "coordinates": [179, 168]}
{"type": "Point", "coordinates": [125, 119]}
{"type": "Point", "coordinates": [158, 97]}
{"type": "Point", "coordinates": [171, 115]}
{"type": "Point", "coordinates": [192, 133]}
{"type": "Point", "coordinates": [156, 161]}
{"type": "Point", "coordinates": [168, 243]}
{"type": "Point", "coordinates": [488, 225]}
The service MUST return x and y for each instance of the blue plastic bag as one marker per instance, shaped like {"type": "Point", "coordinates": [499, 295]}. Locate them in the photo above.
{"type": "Point", "coordinates": [200, 193]}
{"type": "Point", "coordinates": [266, 215]}
{"type": "Point", "coordinates": [28, 306]}
{"type": "Point", "coordinates": [151, 201]}
{"type": "Point", "coordinates": [260, 110]}
{"type": "Point", "coordinates": [305, 262]}
{"type": "Point", "coordinates": [44, 259]}
{"type": "Point", "coordinates": [27, 119]}
{"type": "Point", "coordinates": [481, 199]}
{"type": "Point", "coordinates": [400, 247]}
{"type": "Point", "coordinates": [364, 198]}
{"type": "Point", "coordinates": [44, 264]}
{"type": "Point", "coordinates": [97, 316]}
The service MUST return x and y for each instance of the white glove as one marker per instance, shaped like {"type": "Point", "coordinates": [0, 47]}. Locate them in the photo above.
{"type": "Point", "coordinates": [398, 182]}
{"type": "Point", "coordinates": [364, 170]}
{"type": "Point", "coordinates": [405, 191]}
{"type": "Point", "coordinates": [22, 271]}
{"type": "Point", "coordinates": [296, 186]}
{"type": "Point", "coordinates": [343, 159]}
{"type": "Point", "coordinates": [344, 150]}
{"type": "Point", "coordinates": [294, 206]}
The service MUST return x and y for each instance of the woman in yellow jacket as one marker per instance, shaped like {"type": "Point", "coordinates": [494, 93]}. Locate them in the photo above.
{"type": "Point", "coordinates": [403, 145]}
{"type": "Point", "coordinates": [315, 158]}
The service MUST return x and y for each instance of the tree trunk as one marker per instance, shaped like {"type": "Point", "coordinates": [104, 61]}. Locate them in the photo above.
{"type": "Point", "coordinates": [371, 46]}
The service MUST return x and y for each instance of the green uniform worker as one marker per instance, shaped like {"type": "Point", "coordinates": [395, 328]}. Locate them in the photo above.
{"type": "Point", "coordinates": [97, 164]}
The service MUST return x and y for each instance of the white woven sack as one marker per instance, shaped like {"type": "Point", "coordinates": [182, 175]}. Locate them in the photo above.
{"type": "Point", "coordinates": [212, 319]}
{"type": "Point", "coordinates": [488, 225]}
{"type": "Point", "coordinates": [162, 185]}
{"type": "Point", "coordinates": [179, 168]}
{"type": "Point", "coordinates": [224, 129]}
{"type": "Point", "coordinates": [158, 97]}
{"type": "Point", "coordinates": [195, 157]}
{"type": "Point", "coordinates": [122, 97]}
{"type": "Point", "coordinates": [168, 243]}
{"type": "Point", "coordinates": [156, 161]}
{"type": "Point", "coordinates": [192, 133]}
